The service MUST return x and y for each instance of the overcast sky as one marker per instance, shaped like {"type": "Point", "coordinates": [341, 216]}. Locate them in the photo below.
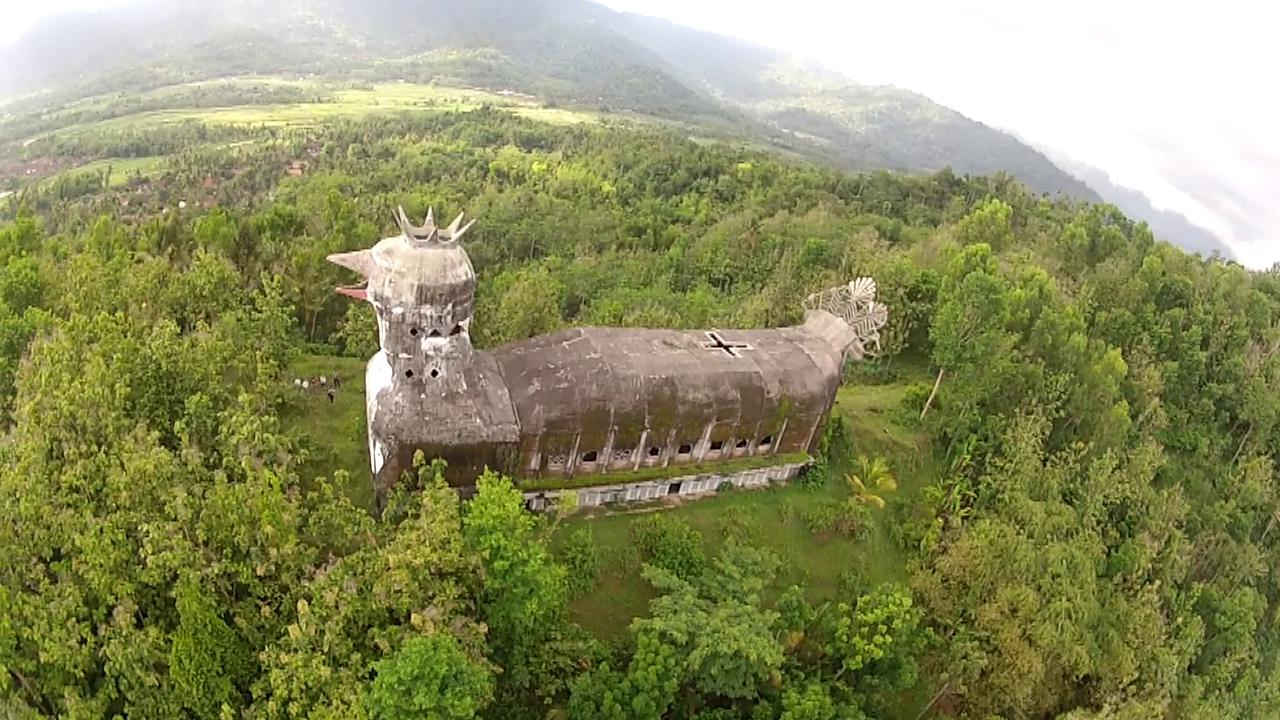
{"type": "Point", "coordinates": [1180, 100]}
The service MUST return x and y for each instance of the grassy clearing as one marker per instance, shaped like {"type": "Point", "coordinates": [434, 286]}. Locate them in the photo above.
{"type": "Point", "coordinates": [122, 169]}
{"type": "Point", "coordinates": [334, 433]}
{"type": "Point", "coordinates": [776, 517]}
{"type": "Point", "coordinates": [336, 102]}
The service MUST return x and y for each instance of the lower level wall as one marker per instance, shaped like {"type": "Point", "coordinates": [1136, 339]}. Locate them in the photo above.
{"type": "Point", "coordinates": [655, 489]}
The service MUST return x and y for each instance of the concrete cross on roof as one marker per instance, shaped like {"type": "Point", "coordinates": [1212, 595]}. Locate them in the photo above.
{"type": "Point", "coordinates": [719, 343]}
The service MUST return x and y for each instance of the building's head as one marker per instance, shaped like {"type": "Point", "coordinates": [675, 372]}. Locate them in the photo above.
{"type": "Point", "coordinates": [422, 286]}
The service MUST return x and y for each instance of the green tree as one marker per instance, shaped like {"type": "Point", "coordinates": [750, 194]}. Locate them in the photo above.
{"type": "Point", "coordinates": [525, 592]}
{"type": "Point", "coordinates": [988, 224]}
{"type": "Point", "coordinates": [430, 678]}
{"type": "Point", "coordinates": [209, 662]}
{"type": "Point", "coordinates": [717, 623]}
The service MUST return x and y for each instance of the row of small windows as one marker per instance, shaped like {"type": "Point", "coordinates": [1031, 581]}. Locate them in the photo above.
{"type": "Point", "coordinates": [457, 330]}
{"type": "Point", "coordinates": [684, 450]}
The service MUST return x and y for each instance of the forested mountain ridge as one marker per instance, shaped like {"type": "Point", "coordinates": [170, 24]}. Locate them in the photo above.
{"type": "Point", "coordinates": [1086, 530]}
{"type": "Point", "coordinates": [860, 127]}
{"type": "Point", "coordinates": [566, 51]}
{"type": "Point", "coordinates": [1173, 226]}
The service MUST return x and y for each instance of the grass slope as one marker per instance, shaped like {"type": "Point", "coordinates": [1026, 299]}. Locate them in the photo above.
{"type": "Point", "coordinates": [122, 169]}
{"type": "Point", "coordinates": [333, 433]}
{"type": "Point", "coordinates": [329, 102]}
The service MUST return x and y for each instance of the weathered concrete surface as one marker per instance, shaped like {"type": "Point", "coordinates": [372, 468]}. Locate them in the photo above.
{"type": "Point", "coordinates": [639, 398]}
{"type": "Point", "coordinates": [427, 389]}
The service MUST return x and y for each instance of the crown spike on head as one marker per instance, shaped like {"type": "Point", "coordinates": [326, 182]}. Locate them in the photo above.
{"type": "Point", "coordinates": [458, 235]}
{"type": "Point", "coordinates": [428, 232]}
{"type": "Point", "coordinates": [453, 226]}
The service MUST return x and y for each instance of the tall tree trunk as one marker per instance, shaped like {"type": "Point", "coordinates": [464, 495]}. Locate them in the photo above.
{"type": "Point", "coordinates": [936, 384]}
{"type": "Point", "coordinates": [1243, 440]}
{"type": "Point", "coordinates": [935, 700]}
{"type": "Point", "coordinates": [1271, 525]}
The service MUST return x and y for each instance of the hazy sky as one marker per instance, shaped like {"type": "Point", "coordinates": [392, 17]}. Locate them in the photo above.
{"type": "Point", "coordinates": [1178, 99]}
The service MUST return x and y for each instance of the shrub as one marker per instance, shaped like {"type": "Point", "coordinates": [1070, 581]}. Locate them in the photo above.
{"type": "Point", "coordinates": [853, 580]}
{"type": "Point", "coordinates": [737, 527]}
{"type": "Point", "coordinates": [816, 474]}
{"type": "Point", "coordinates": [787, 510]}
{"type": "Point", "coordinates": [821, 519]}
{"type": "Point", "coordinates": [838, 518]}
{"type": "Point", "coordinates": [581, 557]}
{"type": "Point", "coordinates": [913, 400]}
{"type": "Point", "coordinates": [670, 543]}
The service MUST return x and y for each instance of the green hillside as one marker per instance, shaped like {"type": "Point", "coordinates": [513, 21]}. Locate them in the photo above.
{"type": "Point", "coordinates": [565, 52]}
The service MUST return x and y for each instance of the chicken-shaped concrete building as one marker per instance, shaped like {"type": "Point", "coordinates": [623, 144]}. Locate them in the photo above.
{"type": "Point", "coordinates": [589, 403]}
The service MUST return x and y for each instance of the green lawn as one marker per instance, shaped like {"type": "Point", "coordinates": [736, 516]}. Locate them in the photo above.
{"type": "Point", "coordinates": [122, 169]}
{"type": "Point", "coordinates": [334, 432]}
{"type": "Point", "coordinates": [775, 516]}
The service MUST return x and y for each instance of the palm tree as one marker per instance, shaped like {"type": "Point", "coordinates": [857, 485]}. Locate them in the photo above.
{"type": "Point", "coordinates": [871, 481]}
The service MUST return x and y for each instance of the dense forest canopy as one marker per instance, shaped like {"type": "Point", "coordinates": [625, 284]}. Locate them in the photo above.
{"type": "Point", "coordinates": [1099, 539]}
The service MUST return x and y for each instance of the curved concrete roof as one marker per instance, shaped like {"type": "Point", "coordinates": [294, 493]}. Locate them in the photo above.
{"type": "Point", "coordinates": [594, 378]}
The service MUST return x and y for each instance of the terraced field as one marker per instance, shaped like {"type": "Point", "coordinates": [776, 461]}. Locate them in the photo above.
{"type": "Point", "coordinates": [94, 117]}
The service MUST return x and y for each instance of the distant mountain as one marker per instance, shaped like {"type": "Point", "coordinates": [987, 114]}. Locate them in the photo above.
{"type": "Point", "coordinates": [1165, 224]}
{"type": "Point", "coordinates": [857, 126]}
{"type": "Point", "coordinates": [566, 51]}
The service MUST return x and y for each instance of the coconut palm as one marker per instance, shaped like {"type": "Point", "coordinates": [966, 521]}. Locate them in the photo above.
{"type": "Point", "coordinates": [871, 481]}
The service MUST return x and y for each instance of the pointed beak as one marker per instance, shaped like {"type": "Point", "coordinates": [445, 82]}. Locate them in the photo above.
{"type": "Point", "coordinates": [360, 261]}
